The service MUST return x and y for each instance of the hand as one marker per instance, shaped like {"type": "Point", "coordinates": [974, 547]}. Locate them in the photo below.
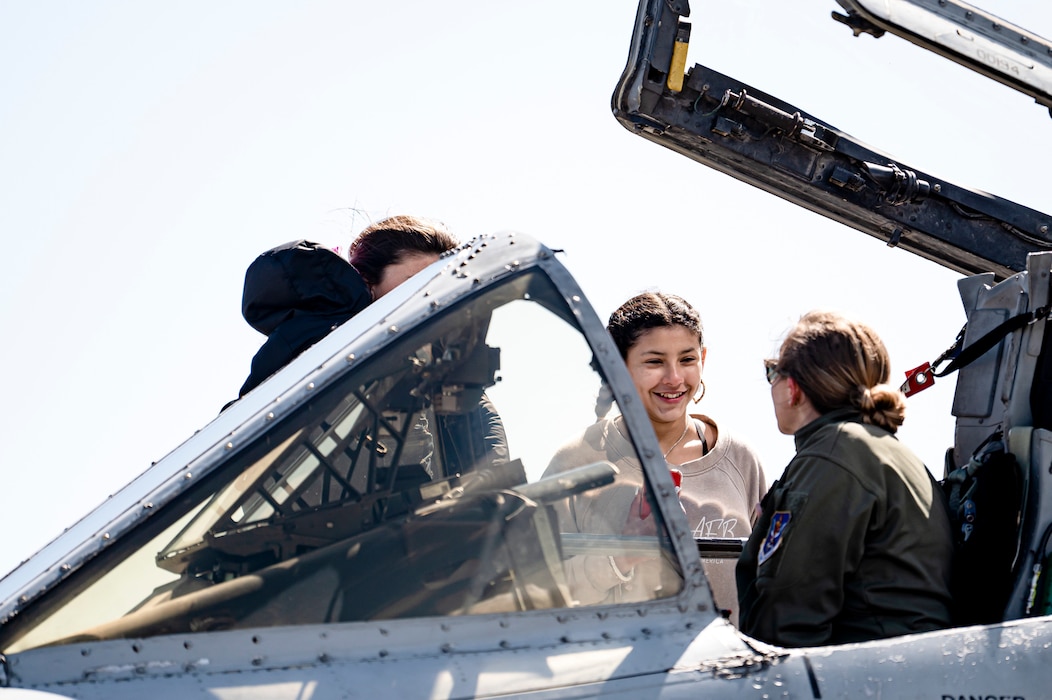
{"type": "Point", "coordinates": [637, 523]}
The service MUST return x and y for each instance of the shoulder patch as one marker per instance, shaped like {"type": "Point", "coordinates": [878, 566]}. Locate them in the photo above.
{"type": "Point", "coordinates": [779, 521]}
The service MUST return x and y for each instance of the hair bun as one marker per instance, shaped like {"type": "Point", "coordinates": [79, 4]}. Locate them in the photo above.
{"type": "Point", "coordinates": [883, 406]}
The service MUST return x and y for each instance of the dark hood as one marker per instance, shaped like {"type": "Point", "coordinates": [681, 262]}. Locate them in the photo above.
{"type": "Point", "coordinates": [296, 294]}
{"type": "Point", "coordinates": [300, 278]}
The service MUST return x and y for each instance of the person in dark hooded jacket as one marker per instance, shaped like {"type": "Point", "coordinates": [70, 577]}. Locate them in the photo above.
{"type": "Point", "coordinates": [296, 294]}
{"type": "Point", "coordinates": [299, 292]}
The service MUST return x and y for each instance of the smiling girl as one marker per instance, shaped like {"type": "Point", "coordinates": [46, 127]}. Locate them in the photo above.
{"type": "Point", "coordinates": [661, 340]}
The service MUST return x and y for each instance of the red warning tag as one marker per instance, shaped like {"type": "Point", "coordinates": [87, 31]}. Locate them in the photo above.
{"type": "Point", "coordinates": [918, 379]}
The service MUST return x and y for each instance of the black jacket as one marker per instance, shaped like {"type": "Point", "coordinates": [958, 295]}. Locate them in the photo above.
{"type": "Point", "coordinates": [296, 294]}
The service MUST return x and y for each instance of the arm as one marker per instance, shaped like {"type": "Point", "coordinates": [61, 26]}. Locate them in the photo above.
{"type": "Point", "coordinates": [809, 540]}
{"type": "Point", "coordinates": [591, 578]}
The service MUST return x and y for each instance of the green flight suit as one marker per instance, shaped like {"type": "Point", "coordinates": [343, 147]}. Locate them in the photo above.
{"type": "Point", "coordinates": [854, 542]}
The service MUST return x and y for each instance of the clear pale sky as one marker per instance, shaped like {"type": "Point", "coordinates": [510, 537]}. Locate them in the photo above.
{"type": "Point", "coordinates": [149, 151]}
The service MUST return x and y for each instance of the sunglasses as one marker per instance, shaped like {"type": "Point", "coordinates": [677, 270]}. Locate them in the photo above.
{"type": "Point", "coordinates": [770, 368]}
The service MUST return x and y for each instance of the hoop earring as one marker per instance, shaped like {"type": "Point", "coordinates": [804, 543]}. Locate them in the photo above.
{"type": "Point", "coordinates": [699, 397]}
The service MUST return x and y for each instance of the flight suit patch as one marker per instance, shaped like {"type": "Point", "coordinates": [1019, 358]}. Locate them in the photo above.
{"type": "Point", "coordinates": [779, 521]}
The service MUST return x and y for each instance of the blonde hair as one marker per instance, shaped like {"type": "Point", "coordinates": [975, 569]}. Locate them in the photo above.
{"type": "Point", "coordinates": [842, 363]}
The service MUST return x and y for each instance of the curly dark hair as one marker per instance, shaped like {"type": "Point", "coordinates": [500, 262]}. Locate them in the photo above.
{"type": "Point", "coordinates": [651, 310]}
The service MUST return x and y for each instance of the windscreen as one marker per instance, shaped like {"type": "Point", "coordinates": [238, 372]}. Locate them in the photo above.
{"type": "Point", "coordinates": [476, 464]}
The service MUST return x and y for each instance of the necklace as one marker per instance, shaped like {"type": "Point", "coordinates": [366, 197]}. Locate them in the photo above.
{"type": "Point", "coordinates": [676, 443]}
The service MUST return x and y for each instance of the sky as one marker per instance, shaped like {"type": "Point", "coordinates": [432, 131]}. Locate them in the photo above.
{"type": "Point", "coordinates": [149, 151]}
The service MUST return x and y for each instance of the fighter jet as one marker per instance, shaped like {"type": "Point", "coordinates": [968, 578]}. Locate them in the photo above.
{"type": "Point", "coordinates": [379, 519]}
